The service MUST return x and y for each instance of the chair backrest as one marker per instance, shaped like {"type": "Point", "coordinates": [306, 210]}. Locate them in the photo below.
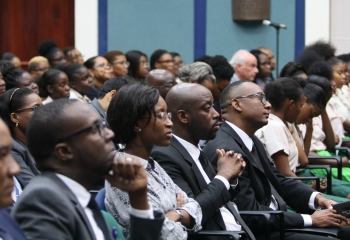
{"type": "Point", "coordinates": [100, 199]}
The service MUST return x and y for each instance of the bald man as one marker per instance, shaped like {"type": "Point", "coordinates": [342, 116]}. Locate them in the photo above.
{"type": "Point", "coordinates": [162, 79]}
{"type": "Point", "coordinates": [194, 118]}
{"type": "Point", "coordinates": [245, 65]}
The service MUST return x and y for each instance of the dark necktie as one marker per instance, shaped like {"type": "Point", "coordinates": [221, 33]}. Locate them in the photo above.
{"type": "Point", "coordinates": [211, 174]}
{"type": "Point", "coordinates": [99, 218]}
{"type": "Point", "coordinates": [280, 201]}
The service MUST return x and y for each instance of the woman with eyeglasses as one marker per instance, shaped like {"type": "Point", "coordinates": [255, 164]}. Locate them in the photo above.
{"type": "Point", "coordinates": [17, 106]}
{"type": "Point", "coordinates": [264, 67]}
{"type": "Point", "coordinates": [162, 59]}
{"type": "Point", "coordinates": [101, 71]}
{"type": "Point", "coordinates": [138, 68]}
{"type": "Point", "coordinates": [118, 62]}
{"type": "Point", "coordinates": [140, 123]}
{"type": "Point", "coordinates": [53, 84]}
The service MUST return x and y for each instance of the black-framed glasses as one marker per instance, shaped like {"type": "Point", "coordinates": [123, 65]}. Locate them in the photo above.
{"type": "Point", "coordinates": [30, 108]}
{"type": "Point", "coordinates": [98, 126]}
{"type": "Point", "coordinates": [260, 95]}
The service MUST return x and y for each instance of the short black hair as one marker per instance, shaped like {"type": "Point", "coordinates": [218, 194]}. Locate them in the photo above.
{"type": "Point", "coordinates": [70, 70]}
{"type": "Point", "coordinates": [48, 48]}
{"type": "Point", "coordinates": [344, 57]}
{"type": "Point", "coordinates": [221, 68]}
{"type": "Point", "coordinates": [110, 56]}
{"type": "Point", "coordinates": [133, 58]}
{"type": "Point", "coordinates": [322, 82]}
{"type": "Point", "coordinates": [283, 88]}
{"type": "Point", "coordinates": [155, 57]}
{"type": "Point", "coordinates": [11, 74]}
{"type": "Point", "coordinates": [204, 58]}
{"type": "Point", "coordinates": [314, 94]}
{"type": "Point", "coordinates": [89, 64]}
{"type": "Point", "coordinates": [321, 68]}
{"type": "Point", "coordinates": [46, 128]}
{"type": "Point", "coordinates": [334, 61]}
{"type": "Point", "coordinates": [8, 56]}
{"type": "Point", "coordinates": [114, 84]}
{"type": "Point", "coordinates": [48, 78]}
{"type": "Point", "coordinates": [292, 69]}
{"type": "Point", "coordinates": [226, 96]}
{"type": "Point", "coordinates": [126, 109]}
{"type": "Point", "coordinates": [12, 100]}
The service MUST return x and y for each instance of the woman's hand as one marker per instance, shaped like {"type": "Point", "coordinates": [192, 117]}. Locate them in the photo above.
{"type": "Point", "coordinates": [180, 199]}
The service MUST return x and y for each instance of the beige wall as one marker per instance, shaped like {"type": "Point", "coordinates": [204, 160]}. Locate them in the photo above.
{"type": "Point", "coordinates": [339, 25]}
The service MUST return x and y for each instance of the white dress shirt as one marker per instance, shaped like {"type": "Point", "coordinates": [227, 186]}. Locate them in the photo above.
{"type": "Point", "coordinates": [229, 220]}
{"type": "Point", "coordinates": [76, 95]}
{"type": "Point", "coordinates": [248, 142]}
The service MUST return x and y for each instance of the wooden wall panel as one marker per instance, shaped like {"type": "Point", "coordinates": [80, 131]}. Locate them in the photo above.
{"type": "Point", "coordinates": [25, 23]}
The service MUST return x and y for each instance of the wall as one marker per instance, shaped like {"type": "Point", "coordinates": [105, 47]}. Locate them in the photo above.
{"type": "Point", "coordinates": [339, 22]}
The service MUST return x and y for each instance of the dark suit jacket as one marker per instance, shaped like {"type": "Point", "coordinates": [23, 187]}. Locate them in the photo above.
{"type": "Point", "coordinates": [180, 166]}
{"type": "Point", "coordinates": [9, 229]}
{"type": "Point", "coordinates": [255, 190]}
{"type": "Point", "coordinates": [47, 209]}
{"type": "Point", "coordinates": [25, 160]}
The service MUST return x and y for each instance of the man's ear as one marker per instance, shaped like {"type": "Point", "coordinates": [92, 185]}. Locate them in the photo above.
{"type": "Point", "coordinates": [183, 116]}
{"type": "Point", "coordinates": [112, 94]}
{"type": "Point", "coordinates": [63, 152]}
{"type": "Point", "coordinates": [291, 104]}
{"type": "Point", "coordinates": [235, 104]}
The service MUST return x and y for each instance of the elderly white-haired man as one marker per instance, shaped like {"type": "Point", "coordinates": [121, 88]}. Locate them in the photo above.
{"type": "Point", "coordinates": [245, 65]}
{"type": "Point", "coordinates": [198, 72]}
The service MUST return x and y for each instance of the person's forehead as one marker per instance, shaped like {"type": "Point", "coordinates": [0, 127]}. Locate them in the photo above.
{"type": "Point", "coordinates": [166, 56]}
{"type": "Point", "coordinates": [81, 115]}
{"type": "Point", "coordinates": [249, 88]}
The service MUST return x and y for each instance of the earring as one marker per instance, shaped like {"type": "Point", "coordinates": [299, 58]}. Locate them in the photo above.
{"type": "Point", "coordinates": [139, 130]}
{"type": "Point", "coordinates": [16, 124]}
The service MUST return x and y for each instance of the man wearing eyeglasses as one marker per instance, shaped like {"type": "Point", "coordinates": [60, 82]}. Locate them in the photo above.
{"type": "Point", "coordinates": [73, 148]}
{"type": "Point", "coordinates": [262, 187]}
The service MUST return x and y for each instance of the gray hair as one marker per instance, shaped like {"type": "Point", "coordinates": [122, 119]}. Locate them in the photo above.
{"type": "Point", "coordinates": [198, 71]}
{"type": "Point", "coordinates": [238, 57]}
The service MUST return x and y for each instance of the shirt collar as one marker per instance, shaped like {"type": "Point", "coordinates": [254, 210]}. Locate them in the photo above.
{"type": "Point", "coordinates": [248, 142]}
{"type": "Point", "coordinates": [193, 150]}
{"type": "Point", "coordinates": [78, 190]}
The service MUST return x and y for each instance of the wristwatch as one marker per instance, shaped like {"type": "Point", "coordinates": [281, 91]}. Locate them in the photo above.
{"type": "Point", "coordinates": [180, 213]}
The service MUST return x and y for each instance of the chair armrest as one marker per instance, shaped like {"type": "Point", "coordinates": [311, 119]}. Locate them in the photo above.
{"type": "Point", "coordinates": [345, 149]}
{"type": "Point", "coordinates": [267, 216]}
{"type": "Point", "coordinates": [236, 235]}
{"type": "Point", "coordinates": [338, 159]}
{"type": "Point", "coordinates": [318, 183]}
{"type": "Point", "coordinates": [329, 174]}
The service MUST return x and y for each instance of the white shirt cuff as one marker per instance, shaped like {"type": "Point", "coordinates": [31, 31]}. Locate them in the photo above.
{"type": "Point", "coordinates": [225, 181]}
{"type": "Point", "coordinates": [312, 201]}
{"type": "Point", "coordinates": [148, 214]}
{"type": "Point", "coordinates": [307, 220]}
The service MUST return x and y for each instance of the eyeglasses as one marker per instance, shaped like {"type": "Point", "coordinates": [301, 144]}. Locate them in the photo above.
{"type": "Point", "coordinates": [166, 61]}
{"type": "Point", "coordinates": [163, 116]}
{"type": "Point", "coordinates": [261, 97]}
{"type": "Point", "coordinates": [144, 64]}
{"type": "Point", "coordinates": [40, 69]}
{"type": "Point", "coordinates": [122, 63]}
{"type": "Point", "coordinates": [99, 126]}
{"type": "Point", "coordinates": [104, 65]}
{"type": "Point", "coordinates": [179, 63]}
{"type": "Point", "coordinates": [24, 109]}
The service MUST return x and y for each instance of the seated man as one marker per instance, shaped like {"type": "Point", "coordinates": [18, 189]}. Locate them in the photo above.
{"type": "Point", "coordinates": [262, 187]}
{"type": "Point", "coordinates": [194, 118]}
{"type": "Point", "coordinates": [161, 79]}
{"type": "Point", "coordinates": [74, 149]}
{"type": "Point", "coordinates": [245, 65]}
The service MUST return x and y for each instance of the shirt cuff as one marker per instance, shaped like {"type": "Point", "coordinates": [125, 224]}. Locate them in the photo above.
{"type": "Point", "coordinates": [148, 214]}
{"type": "Point", "coordinates": [226, 183]}
{"type": "Point", "coordinates": [307, 220]}
{"type": "Point", "coordinates": [312, 201]}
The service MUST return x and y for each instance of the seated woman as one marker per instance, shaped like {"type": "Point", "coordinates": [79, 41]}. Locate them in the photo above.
{"type": "Point", "coordinates": [80, 81]}
{"type": "Point", "coordinates": [139, 123]}
{"type": "Point", "coordinates": [73, 55]}
{"type": "Point", "coordinates": [281, 136]}
{"type": "Point", "coordinates": [101, 71]}
{"type": "Point", "coordinates": [17, 106]}
{"type": "Point", "coordinates": [17, 78]}
{"type": "Point", "coordinates": [50, 50]}
{"type": "Point", "coordinates": [118, 62]}
{"type": "Point", "coordinates": [264, 67]}
{"type": "Point", "coordinates": [53, 84]}
{"type": "Point", "coordinates": [139, 64]}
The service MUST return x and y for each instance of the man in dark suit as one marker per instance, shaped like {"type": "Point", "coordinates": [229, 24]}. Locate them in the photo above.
{"type": "Point", "coordinates": [194, 118]}
{"type": "Point", "coordinates": [262, 187]}
{"type": "Point", "coordinates": [73, 148]}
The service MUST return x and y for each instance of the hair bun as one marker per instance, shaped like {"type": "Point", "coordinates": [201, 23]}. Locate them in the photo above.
{"type": "Point", "coordinates": [46, 46]}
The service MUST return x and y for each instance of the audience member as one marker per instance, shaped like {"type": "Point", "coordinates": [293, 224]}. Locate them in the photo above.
{"type": "Point", "coordinates": [271, 56]}
{"type": "Point", "coordinates": [17, 78]}
{"type": "Point", "coordinates": [73, 55]}
{"type": "Point", "coordinates": [245, 65]}
{"type": "Point", "coordinates": [161, 79]}
{"type": "Point", "coordinates": [195, 119]}
{"type": "Point", "coordinates": [17, 106]}
{"type": "Point", "coordinates": [53, 84]}
{"type": "Point", "coordinates": [161, 59]}
{"type": "Point", "coordinates": [118, 62]}
{"type": "Point", "coordinates": [50, 50]}
{"type": "Point", "coordinates": [262, 187]}
{"type": "Point", "coordinates": [37, 66]}
{"type": "Point", "coordinates": [80, 81]}
{"type": "Point", "coordinates": [12, 58]}
{"type": "Point", "coordinates": [264, 68]}
{"type": "Point", "coordinates": [2, 84]}
{"type": "Point", "coordinates": [178, 63]}
{"type": "Point", "coordinates": [293, 69]}
{"type": "Point", "coordinates": [140, 123]}
{"type": "Point", "coordinates": [198, 72]}
{"type": "Point", "coordinates": [101, 71]}
{"type": "Point", "coordinates": [74, 149]}
{"type": "Point", "coordinates": [138, 65]}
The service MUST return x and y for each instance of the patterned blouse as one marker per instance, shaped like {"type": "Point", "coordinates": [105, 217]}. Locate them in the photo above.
{"type": "Point", "coordinates": [161, 196]}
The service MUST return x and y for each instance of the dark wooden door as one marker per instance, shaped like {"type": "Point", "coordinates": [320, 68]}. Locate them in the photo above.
{"type": "Point", "coordinates": [25, 23]}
